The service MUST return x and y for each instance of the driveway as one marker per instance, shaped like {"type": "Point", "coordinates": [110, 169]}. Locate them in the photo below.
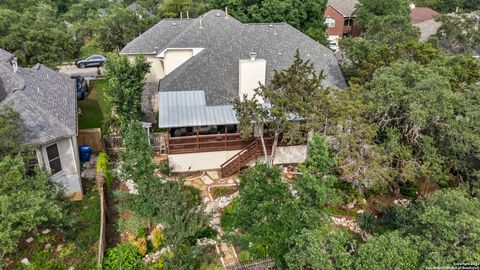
{"type": "Point", "coordinates": [73, 70]}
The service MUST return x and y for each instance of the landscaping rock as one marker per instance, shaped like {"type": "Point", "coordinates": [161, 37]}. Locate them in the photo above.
{"type": "Point", "coordinates": [59, 247]}
{"type": "Point", "coordinates": [206, 241]}
{"type": "Point", "coordinates": [351, 205]}
{"type": "Point", "coordinates": [25, 261]}
{"type": "Point", "coordinates": [132, 187]}
{"type": "Point", "coordinates": [29, 240]}
{"type": "Point", "coordinates": [360, 211]}
{"type": "Point", "coordinates": [48, 245]}
{"type": "Point", "coordinates": [153, 257]}
{"type": "Point", "coordinates": [71, 268]}
{"type": "Point", "coordinates": [231, 181]}
{"type": "Point", "coordinates": [207, 180]}
{"type": "Point", "coordinates": [46, 231]}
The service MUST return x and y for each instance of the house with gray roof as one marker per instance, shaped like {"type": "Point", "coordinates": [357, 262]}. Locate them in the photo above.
{"type": "Point", "coordinates": [203, 64]}
{"type": "Point", "coordinates": [46, 102]}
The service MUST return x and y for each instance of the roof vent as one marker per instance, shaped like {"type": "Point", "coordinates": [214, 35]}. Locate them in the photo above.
{"type": "Point", "coordinates": [270, 26]}
{"type": "Point", "coordinates": [14, 63]}
{"type": "Point", "coordinates": [253, 56]}
{"type": "Point", "coordinates": [412, 6]}
{"type": "Point", "coordinates": [174, 24]}
{"type": "Point", "coordinates": [218, 14]}
{"type": "Point", "coordinates": [201, 22]}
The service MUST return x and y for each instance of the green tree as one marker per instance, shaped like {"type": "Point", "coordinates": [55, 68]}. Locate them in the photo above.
{"type": "Point", "coordinates": [464, 41]}
{"type": "Point", "coordinates": [368, 10]}
{"type": "Point", "coordinates": [26, 202]}
{"type": "Point", "coordinates": [269, 214]}
{"type": "Point", "coordinates": [38, 25]}
{"type": "Point", "coordinates": [391, 30]}
{"type": "Point", "coordinates": [321, 249]}
{"type": "Point", "coordinates": [126, 82]}
{"type": "Point", "coordinates": [10, 132]}
{"type": "Point", "coordinates": [306, 16]}
{"type": "Point", "coordinates": [172, 8]}
{"type": "Point", "coordinates": [388, 251]}
{"type": "Point", "coordinates": [290, 95]}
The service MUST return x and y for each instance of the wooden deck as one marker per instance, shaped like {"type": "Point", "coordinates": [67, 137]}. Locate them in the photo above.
{"type": "Point", "coordinates": [206, 143]}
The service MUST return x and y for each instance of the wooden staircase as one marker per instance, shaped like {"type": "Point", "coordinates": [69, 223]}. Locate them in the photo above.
{"type": "Point", "coordinates": [235, 163]}
{"type": "Point", "coordinates": [249, 153]}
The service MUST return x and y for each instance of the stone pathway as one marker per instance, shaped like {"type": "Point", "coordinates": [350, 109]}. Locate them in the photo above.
{"type": "Point", "coordinates": [204, 183]}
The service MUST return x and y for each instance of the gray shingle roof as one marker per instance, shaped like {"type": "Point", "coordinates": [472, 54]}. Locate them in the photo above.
{"type": "Point", "coordinates": [225, 42]}
{"type": "Point", "coordinates": [5, 56]}
{"type": "Point", "coordinates": [156, 37]}
{"type": "Point", "coordinates": [45, 99]}
{"type": "Point", "coordinates": [346, 7]}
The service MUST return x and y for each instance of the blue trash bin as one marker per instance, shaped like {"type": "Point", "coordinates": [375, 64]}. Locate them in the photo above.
{"type": "Point", "coordinates": [85, 153]}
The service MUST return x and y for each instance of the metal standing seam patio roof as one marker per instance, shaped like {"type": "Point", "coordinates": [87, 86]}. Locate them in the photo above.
{"type": "Point", "coordinates": [189, 109]}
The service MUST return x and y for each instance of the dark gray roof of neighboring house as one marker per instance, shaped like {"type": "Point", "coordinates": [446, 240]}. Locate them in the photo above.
{"type": "Point", "coordinates": [225, 42]}
{"type": "Point", "coordinates": [345, 7]}
{"type": "Point", "coordinates": [156, 37]}
{"type": "Point", "coordinates": [5, 56]}
{"type": "Point", "coordinates": [45, 100]}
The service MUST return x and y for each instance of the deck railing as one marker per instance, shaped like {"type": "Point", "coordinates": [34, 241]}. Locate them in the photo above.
{"type": "Point", "coordinates": [206, 143]}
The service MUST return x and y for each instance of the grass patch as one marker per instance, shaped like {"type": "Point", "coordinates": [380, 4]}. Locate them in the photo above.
{"type": "Point", "coordinates": [96, 109]}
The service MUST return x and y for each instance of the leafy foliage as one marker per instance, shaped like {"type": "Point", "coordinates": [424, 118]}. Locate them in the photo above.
{"type": "Point", "coordinates": [124, 256]}
{"type": "Point", "coordinates": [321, 249]}
{"type": "Point", "coordinates": [465, 40]}
{"type": "Point", "coordinates": [126, 82]}
{"type": "Point", "coordinates": [26, 202]}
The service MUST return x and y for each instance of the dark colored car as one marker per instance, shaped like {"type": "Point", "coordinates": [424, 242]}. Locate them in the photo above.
{"type": "Point", "coordinates": [82, 86]}
{"type": "Point", "coordinates": [95, 60]}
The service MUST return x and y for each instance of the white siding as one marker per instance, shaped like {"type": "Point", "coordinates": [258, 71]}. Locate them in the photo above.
{"type": "Point", "coordinates": [156, 67]}
{"type": "Point", "coordinates": [199, 161]}
{"type": "Point", "coordinates": [69, 177]}
{"type": "Point", "coordinates": [175, 57]}
{"type": "Point", "coordinates": [251, 73]}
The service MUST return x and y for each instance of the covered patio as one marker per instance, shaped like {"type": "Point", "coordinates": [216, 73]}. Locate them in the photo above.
{"type": "Point", "coordinates": [194, 127]}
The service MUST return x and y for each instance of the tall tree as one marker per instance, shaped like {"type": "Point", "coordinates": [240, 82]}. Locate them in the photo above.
{"type": "Point", "coordinates": [464, 40]}
{"type": "Point", "coordinates": [289, 96]}
{"type": "Point", "coordinates": [126, 82]}
{"type": "Point", "coordinates": [28, 33]}
{"type": "Point", "coordinates": [368, 10]}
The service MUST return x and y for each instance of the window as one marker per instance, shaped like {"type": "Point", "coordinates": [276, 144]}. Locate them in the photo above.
{"type": "Point", "coordinates": [54, 159]}
{"type": "Point", "coordinates": [348, 22]}
{"type": "Point", "coordinates": [330, 22]}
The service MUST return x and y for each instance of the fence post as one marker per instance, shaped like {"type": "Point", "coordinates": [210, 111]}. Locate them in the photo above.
{"type": "Point", "coordinates": [103, 222]}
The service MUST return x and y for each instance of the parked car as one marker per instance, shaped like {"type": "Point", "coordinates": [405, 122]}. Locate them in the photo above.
{"type": "Point", "coordinates": [82, 86]}
{"type": "Point", "coordinates": [95, 60]}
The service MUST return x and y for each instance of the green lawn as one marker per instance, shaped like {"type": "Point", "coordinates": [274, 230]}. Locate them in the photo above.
{"type": "Point", "coordinates": [95, 107]}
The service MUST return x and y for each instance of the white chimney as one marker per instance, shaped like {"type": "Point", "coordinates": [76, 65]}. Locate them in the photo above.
{"type": "Point", "coordinates": [252, 72]}
{"type": "Point", "coordinates": [412, 6]}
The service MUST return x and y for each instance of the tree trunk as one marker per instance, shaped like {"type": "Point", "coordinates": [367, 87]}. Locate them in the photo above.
{"type": "Point", "coordinates": [274, 147]}
{"type": "Point", "coordinates": [264, 147]}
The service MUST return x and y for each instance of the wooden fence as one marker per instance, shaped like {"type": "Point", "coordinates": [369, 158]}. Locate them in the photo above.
{"type": "Point", "coordinates": [114, 144]}
{"type": "Point", "coordinates": [103, 222]}
{"type": "Point", "coordinates": [91, 137]}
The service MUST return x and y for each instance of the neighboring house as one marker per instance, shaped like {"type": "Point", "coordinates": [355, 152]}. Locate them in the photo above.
{"type": "Point", "coordinates": [204, 64]}
{"type": "Point", "coordinates": [340, 20]}
{"type": "Point", "coordinates": [421, 14]}
{"type": "Point", "coordinates": [46, 101]}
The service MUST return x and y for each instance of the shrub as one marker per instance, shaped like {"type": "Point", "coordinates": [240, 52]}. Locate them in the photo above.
{"type": "Point", "coordinates": [158, 238]}
{"type": "Point", "coordinates": [366, 221]}
{"type": "Point", "coordinates": [124, 256]}
{"type": "Point", "coordinates": [220, 191]}
{"type": "Point", "coordinates": [164, 168]}
{"type": "Point", "coordinates": [103, 164]}
{"type": "Point", "coordinates": [393, 218]}
{"type": "Point", "coordinates": [244, 256]}
{"type": "Point", "coordinates": [409, 189]}
{"type": "Point", "coordinates": [139, 243]}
